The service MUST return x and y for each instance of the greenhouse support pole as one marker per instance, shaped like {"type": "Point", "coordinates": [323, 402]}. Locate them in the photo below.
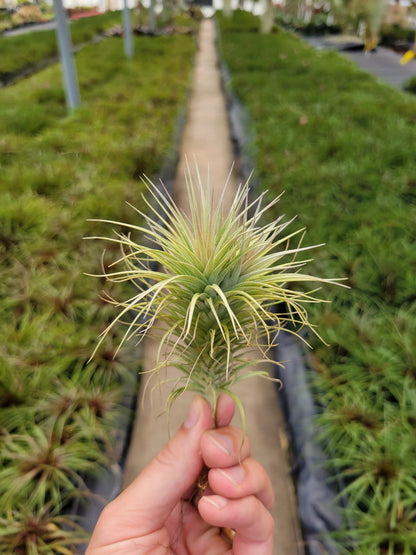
{"type": "Point", "coordinates": [63, 36]}
{"type": "Point", "coordinates": [152, 17]}
{"type": "Point", "coordinates": [128, 39]}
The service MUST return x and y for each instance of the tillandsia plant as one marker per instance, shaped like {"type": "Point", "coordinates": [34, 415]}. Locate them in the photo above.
{"type": "Point", "coordinates": [211, 278]}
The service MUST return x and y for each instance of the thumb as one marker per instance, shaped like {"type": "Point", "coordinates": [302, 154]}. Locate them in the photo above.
{"type": "Point", "coordinates": [145, 505]}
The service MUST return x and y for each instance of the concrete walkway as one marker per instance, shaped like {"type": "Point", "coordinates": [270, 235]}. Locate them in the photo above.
{"type": "Point", "coordinates": [25, 29]}
{"type": "Point", "coordinates": [207, 138]}
{"type": "Point", "coordinates": [383, 63]}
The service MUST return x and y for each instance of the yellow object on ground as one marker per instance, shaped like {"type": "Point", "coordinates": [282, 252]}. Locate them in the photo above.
{"type": "Point", "coordinates": [410, 54]}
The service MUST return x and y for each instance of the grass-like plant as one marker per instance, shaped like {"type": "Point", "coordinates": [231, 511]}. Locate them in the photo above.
{"type": "Point", "coordinates": [211, 279]}
{"type": "Point", "coordinates": [47, 464]}
{"type": "Point", "coordinates": [27, 532]}
{"type": "Point", "coordinates": [39, 47]}
{"type": "Point", "coordinates": [55, 414]}
{"type": "Point", "coordinates": [359, 190]}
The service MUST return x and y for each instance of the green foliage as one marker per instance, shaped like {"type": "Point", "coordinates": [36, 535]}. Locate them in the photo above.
{"type": "Point", "coordinates": [221, 273]}
{"type": "Point", "coordinates": [241, 21]}
{"type": "Point", "coordinates": [46, 464]}
{"type": "Point", "coordinates": [22, 51]}
{"type": "Point", "coordinates": [27, 532]}
{"type": "Point", "coordinates": [24, 13]}
{"type": "Point", "coordinates": [395, 36]}
{"type": "Point", "coordinates": [349, 13]}
{"type": "Point", "coordinates": [341, 146]}
{"type": "Point", "coordinates": [410, 85]}
{"type": "Point", "coordinates": [57, 413]}
{"type": "Point", "coordinates": [317, 25]}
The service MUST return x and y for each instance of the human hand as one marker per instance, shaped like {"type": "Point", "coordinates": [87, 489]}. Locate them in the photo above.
{"type": "Point", "coordinates": [154, 514]}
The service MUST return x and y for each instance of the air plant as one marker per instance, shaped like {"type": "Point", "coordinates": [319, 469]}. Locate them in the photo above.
{"type": "Point", "coordinates": [83, 408]}
{"type": "Point", "coordinates": [33, 532]}
{"type": "Point", "coordinates": [47, 464]}
{"type": "Point", "coordinates": [211, 280]}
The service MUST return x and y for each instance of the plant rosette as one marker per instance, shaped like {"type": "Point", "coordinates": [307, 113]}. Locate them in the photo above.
{"type": "Point", "coordinates": [211, 279]}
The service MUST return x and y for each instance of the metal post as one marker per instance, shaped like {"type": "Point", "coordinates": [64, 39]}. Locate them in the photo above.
{"type": "Point", "coordinates": [63, 36]}
{"type": "Point", "coordinates": [152, 17]}
{"type": "Point", "coordinates": [128, 39]}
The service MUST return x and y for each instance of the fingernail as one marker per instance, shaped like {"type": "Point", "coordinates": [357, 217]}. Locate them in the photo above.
{"type": "Point", "coordinates": [216, 500]}
{"type": "Point", "coordinates": [193, 413]}
{"type": "Point", "coordinates": [224, 442]}
{"type": "Point", "coordinates": [235, 475]}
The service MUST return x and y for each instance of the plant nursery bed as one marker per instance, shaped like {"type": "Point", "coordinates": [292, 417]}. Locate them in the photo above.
{"type": "Point", "coordinates": [341, 147]}
{"type": "Point", "coordinates": [58, 171]}
{"type": "Point", "coordinates": [30, 52]}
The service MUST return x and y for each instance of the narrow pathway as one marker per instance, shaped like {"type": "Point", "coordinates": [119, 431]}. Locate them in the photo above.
{"type": "Point", "coordinates": [44, 26]}
{"type": "Point", "coordinates": [207, 139]}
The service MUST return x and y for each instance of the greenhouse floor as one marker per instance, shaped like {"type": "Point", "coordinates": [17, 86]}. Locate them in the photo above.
{"type": "Point", "coordinates": [383, 63]}
{"type": "Point", "coordinates": [206, 140]}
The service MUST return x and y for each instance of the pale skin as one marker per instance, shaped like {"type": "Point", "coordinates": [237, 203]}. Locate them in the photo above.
{"type": "Point", "coordinates": [154, 516]}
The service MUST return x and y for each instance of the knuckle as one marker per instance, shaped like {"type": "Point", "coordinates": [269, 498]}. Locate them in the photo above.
{"type": "Point", "coordinates": [166, 457]}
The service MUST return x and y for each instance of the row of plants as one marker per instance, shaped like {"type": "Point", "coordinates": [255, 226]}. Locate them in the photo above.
{"type": "Point", "coordinates": [59, 412]}
{"type": "Point", "coordinates": [410, 85]}
{"type": "Point", "coordinates": [398, 38]}
{"type": "Point", "coordinates": [22, 52]}
{"type": "Point", "coordinates": [24, 14]}
{"type": "Point", "coordinates": [318, 24]}
{"type": "Point", "coordinates": [341, 147]}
